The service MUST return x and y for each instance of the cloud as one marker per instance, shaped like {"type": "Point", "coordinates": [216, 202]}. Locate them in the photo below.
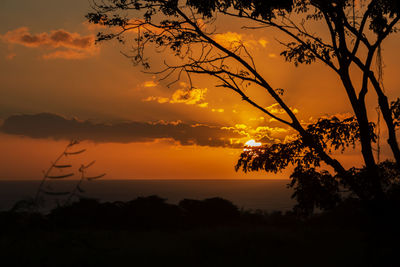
{"type": "Point", "coordinates": [233, 40]}
{"type": "Point", "coordinates": [56, 39]}
{"type": "Point", "coordinates": [262, 134]}
{"type": "Point", "coordinates": [47, 125]}
{"type": "Point", "coordinates": [277, 110]}
{"type": "Point", "coordinates": [183, 96]}
{"type": "Point", "coordinates": [149, 84]}
{"type": "Point", "coordinates": [64, 44]}
{"type": "Point", "coordinates": [263, 42]}
{"type": "Point", "coordinates": [189, 97]}
{"type": "Point", "coordinates": [158, 99]}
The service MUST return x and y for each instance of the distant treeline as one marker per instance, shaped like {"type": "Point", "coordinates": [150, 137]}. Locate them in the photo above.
{"type": "Point", "coordinates": [153, 212]}
{"type": "Point", "coordinates": [143, 213]}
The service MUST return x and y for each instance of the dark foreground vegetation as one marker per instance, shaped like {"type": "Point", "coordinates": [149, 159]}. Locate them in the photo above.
{"type": "Point", "coordinates": [148, 231]}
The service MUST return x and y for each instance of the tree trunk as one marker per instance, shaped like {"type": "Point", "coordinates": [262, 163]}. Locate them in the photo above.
{"type": "Point", "coordinates": [366, 149]}
{"type": "Point", "coordinates": [374, 186]}
{"type": "Point", "coordinates": [387, 116]}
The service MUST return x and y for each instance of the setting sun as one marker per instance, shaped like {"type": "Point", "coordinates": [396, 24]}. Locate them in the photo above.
{"type": "Point", "coordinates": [252, 143]}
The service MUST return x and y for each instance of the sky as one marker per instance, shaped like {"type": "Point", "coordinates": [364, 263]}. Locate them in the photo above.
{"type": "Point", "coordinates": [57, 84]}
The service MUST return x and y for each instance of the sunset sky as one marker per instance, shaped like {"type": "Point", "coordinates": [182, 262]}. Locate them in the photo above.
{"type": "Point", "coordinates": [53, 73]}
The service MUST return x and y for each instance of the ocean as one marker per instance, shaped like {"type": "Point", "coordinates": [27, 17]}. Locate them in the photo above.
{"type": "Point", "coordinates": [268, 195]}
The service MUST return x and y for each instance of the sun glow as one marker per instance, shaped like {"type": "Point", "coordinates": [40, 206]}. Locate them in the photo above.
{"type": "Point", "coordinates": [252, 143]}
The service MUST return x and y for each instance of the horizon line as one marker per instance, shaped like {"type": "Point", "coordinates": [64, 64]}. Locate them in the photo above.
{"type": "Point", "coordinates": [157, 179]}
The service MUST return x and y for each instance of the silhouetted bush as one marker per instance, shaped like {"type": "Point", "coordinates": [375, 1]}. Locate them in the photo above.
{"type": "Point", "coordinates": [151, 212]}
{"type": "Point", "coordinates": [212, 211]}
{"type": "Point", "coordinates": [83, 213]}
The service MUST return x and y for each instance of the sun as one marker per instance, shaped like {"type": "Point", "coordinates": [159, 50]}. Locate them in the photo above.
{"type": "Point", "coordinates": [252, 143]}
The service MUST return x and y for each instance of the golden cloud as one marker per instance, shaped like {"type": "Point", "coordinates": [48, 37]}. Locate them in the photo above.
{"type": "Point", "coordinates": [233, 40]}
{"type": "Point", "coordinates": [264, 134]}
{"type": "Point", "coordinates": [148, 84]}
{"type": "Point", "coordinates": [158, 99]}
{"type": "Point", "coordinates": [277, 110]}
{"type": "Point", "coordinates": [189, 97]}
{"type": "Point", "coordinates": [184, 96]}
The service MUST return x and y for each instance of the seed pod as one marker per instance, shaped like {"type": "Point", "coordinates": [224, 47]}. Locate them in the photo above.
{"type": "Point", "coordinates": [90, 164]}
{"type": "Point", "coordinates": [62, 166]}
{"type": "Point", "coordinates": [60, 176]}
{"type": "Point", "coordinates": [95, 177]}
{"type": "Point", "coordinates": [75, 152]}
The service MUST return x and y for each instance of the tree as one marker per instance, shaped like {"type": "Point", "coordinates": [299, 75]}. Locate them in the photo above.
{"type": "Point", "coordinates": [356, 31]}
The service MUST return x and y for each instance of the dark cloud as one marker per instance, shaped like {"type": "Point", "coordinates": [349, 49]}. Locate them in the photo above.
{"type": "Point", "coordinates": [72, 45]}
{"type": "Point", "coordinates": [46, 125]}
{"type": "Point", "coordinates": [57, 38]}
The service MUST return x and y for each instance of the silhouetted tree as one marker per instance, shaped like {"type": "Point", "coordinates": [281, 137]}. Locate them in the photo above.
{"type": "Point", "coordinates": [356, 31]}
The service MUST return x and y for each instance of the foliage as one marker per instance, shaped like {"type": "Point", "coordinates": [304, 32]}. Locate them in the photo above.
{"type": "Point", "coordinates": [330, 133]}
{"type": "Point", "coordinates": [395, 108]}
{"type": "Point", "coordinates": [314, 189]}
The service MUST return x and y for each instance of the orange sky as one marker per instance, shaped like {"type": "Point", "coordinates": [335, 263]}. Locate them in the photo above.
{"type": "Point", "coordinates": [49, 63]}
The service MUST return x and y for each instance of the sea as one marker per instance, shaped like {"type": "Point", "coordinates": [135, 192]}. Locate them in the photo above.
{"type": "Point", "coordinates": [267, 195]}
